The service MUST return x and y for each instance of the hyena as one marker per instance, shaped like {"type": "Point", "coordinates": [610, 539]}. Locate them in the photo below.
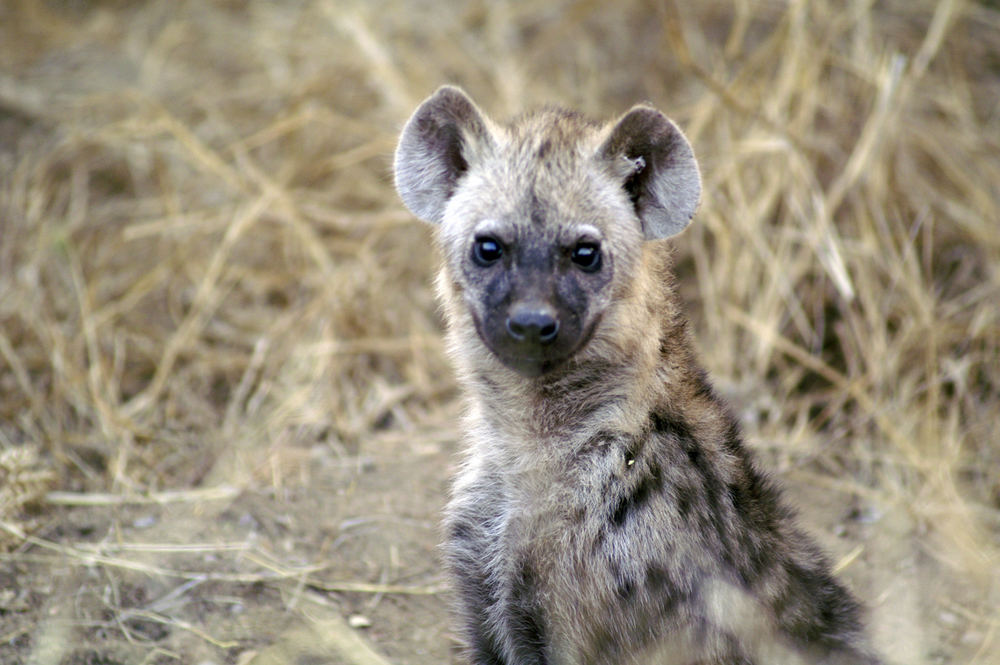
{"type": "Point", "coordinates": [608, 510]}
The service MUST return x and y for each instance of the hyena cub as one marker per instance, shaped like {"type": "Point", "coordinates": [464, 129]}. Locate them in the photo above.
{"type": "Point", "coordinates": [608, 511]}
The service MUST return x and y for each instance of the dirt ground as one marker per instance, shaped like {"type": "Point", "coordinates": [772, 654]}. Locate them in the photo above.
{"type": "Point", "coordinates": [227, 420]}
{"type": "Point", "coordinates": [219, 581]}
{"type": "Point", "coordinates": [348, 544]}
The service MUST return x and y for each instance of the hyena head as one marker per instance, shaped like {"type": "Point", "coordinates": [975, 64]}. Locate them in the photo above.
{"type": "Point", "coordinates": [543, 220]}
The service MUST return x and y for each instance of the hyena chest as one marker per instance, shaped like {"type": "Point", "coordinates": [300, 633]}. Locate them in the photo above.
{"type": "Point", "coordinates": [549, 592]}
{"type": "Point", "coordinates": [571, 582]}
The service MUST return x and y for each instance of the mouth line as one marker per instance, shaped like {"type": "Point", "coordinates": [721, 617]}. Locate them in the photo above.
{"type": "Point", "coordinates": [531, 367]}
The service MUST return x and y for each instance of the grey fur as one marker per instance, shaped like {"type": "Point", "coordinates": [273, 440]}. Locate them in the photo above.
{"type": "Point", "coordinates": [608, 510]}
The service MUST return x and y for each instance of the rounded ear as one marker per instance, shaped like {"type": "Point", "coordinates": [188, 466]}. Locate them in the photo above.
{"type": "Point", "coordinates": [438, 141]}
{"type": "Point", "coordinates": [657, 168]}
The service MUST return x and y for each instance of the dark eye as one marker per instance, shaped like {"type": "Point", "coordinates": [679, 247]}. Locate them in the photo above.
{"type": "Point", "coordinates": [486, 251]}
{"type": "Point", "coordinates": [587, 255]}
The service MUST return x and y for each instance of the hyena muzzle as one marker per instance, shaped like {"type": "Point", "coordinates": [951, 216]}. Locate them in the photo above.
{"type": "Point", "coordinates": [608, 510]}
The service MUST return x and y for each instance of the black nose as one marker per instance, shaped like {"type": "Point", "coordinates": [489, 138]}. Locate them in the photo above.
{"type": "Point", "coordinates": [533, 323]}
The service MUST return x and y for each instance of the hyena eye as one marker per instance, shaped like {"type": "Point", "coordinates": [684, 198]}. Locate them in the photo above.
{"type": "Point", "coordinates": [587, 256]}
{"type": "Point", "coordinates": [486, 251]}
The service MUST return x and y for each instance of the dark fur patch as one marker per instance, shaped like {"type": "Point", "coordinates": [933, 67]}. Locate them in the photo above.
{"type": "Point", "coordinates": [716, 514]}
{"type": "Point", "coordinates": [537, 211]}
{"type": "Point", "coordinates": [667, 425]}
{"type": "Point", "coordinates": [649, 484]}
{"type": "Point", "coordinates": [485, 651]}
{"type": "Point", "coordinates": [625, 589]}
{"type": "Point", "coordinates": [625, 586]}
{"type": "Point", "coordinates": [461, 530]}
{"type": "Point", "coordinates": [678, 430]}
{"type": "Point", "coordinates": [599, 539]}
{"type": "Point", "coordinates": [816, 609]}
{"type": "Point", "coordinates": [544, 148]}
{"type": "Point", "coordinates": [757, 505]}
{"type": "Point", "coordinates": [733, 440]}
{"type": "Point", "coordinates": [478, 596]}
{"type": "Point", "coordinates": [703, 387]}
{"type": "Point", "coordinates": [663, 588]}
{"type": "Point", "coordinates": [597, 444]}
{"type": "Point", "coordinates": [685, 496]}
{"type": "Point", "coordinates": [526, 625]}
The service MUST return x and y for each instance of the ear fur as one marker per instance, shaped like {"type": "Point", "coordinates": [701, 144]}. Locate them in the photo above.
{"type": "Point", "coordinates": [658, 170]}
{"type": "Point", "coordinates": [434, 150]}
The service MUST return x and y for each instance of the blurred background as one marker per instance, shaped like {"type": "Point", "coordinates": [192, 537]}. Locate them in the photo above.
{"type": "Point", "coordinates": [227, 422]}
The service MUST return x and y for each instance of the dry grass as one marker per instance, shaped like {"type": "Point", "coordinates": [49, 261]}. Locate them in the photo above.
{"type": "Point", "coordinates": [205, 274]}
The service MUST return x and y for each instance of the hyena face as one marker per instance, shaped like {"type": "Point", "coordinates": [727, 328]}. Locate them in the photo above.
{"type": "Point", "coordinates": [535, 291]}
{"type": "Point", "coordinates": [529, 249]}
{"type": "Point", "coordinates": [542, 221]}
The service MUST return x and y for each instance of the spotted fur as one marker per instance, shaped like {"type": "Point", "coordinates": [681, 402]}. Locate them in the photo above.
{"type": "Point", "coordinates": [608, 510]}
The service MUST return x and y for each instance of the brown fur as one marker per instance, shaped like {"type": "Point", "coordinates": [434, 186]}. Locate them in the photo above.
{"type": "Point", "coordinates": [608, 510]}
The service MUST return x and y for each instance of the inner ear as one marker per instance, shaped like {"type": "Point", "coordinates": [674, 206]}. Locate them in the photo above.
{"type": "Point", "coordinates": [656, 167]}
{"type": "Point", "coordinates": [443, 138]}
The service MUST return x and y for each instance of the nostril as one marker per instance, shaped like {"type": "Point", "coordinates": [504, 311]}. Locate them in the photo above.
{"type": "Point", "coordinates": [547, 333]}
{"type": "Point", "coordinates": [537, 325]}
{"type": "Point", "coordinates": [516, 330]}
